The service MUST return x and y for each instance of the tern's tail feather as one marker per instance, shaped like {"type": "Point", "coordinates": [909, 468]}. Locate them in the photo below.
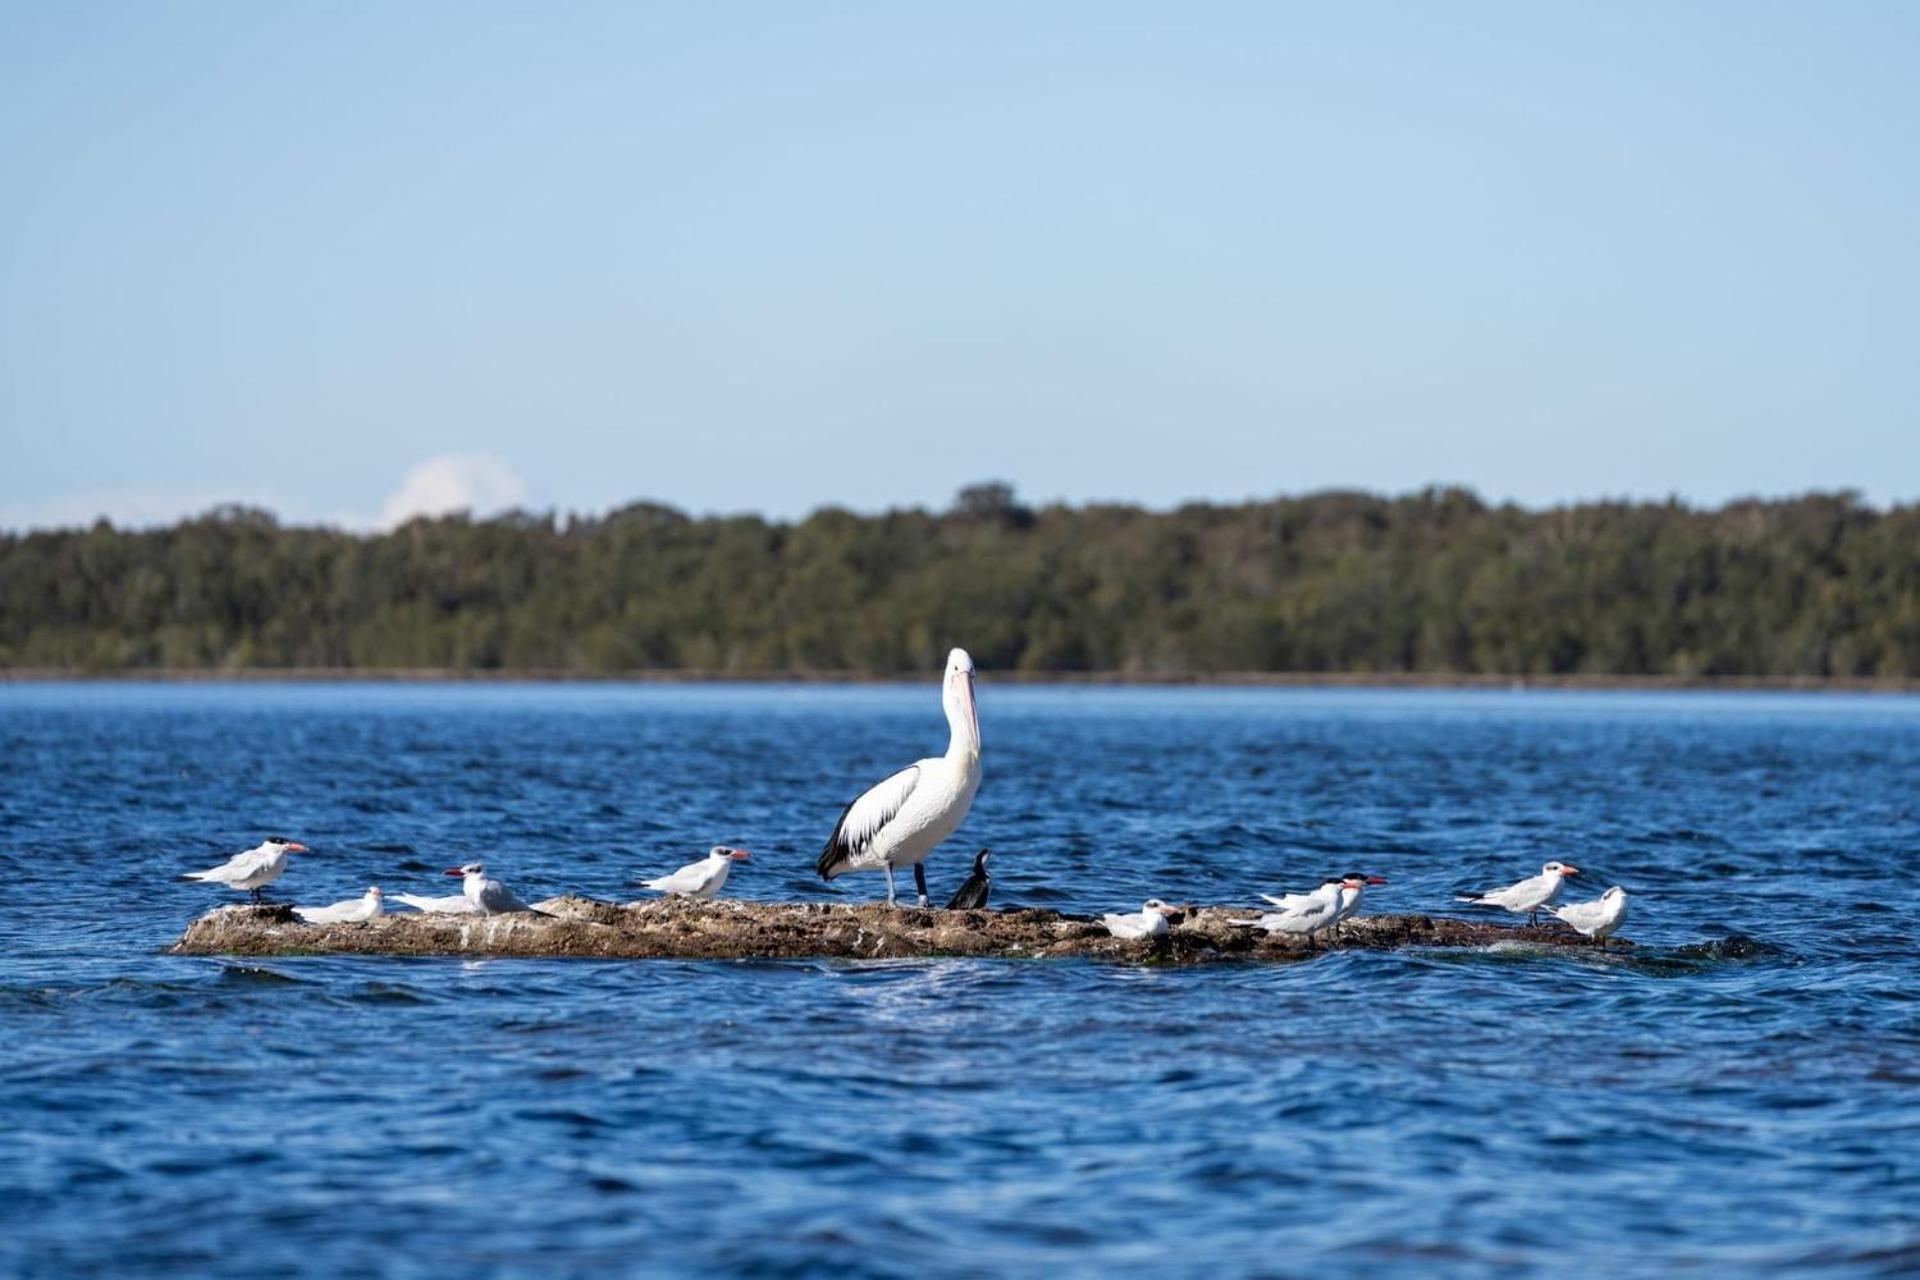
{"type": "Point", "coordinates": [1244, 924]}
{"type": "Point", "coordinates": [453, 905]}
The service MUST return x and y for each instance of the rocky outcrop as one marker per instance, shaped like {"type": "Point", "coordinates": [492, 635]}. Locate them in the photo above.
{"type": "Point", "coordinates": [682, 929]}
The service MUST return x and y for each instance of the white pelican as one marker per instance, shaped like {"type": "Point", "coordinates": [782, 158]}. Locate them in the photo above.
{"type": "Point", "coordinates": [253, 870]}
{"type": "Point", "coordinates": [1599, 918]}
{"type": "Point", "coordinates": [973, 894]}
{"type": "Point", "coordinates": [1528, 896]}
{"type": "Point", "coordinates": [488, 897]}
{"type": "Point", "coordinates": [900, 819]}
{"type": "Point", "coordinates": [352, 911]}
{"type": "Point", "coordinates": [702, 879]}
{"type": "Point", "coordinates": [1150, 921]}
{"type": "Point", "coordinates": [452, 905]}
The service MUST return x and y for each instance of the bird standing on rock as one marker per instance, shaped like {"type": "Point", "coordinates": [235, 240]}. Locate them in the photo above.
{"type": "Point", "coordinates": [702, 879]}
{"type": "Point", "coordinates": [973, 894]}
{"type": "Point", "coordinates": [1530, 895]}
{"type": "Point", "coordinates": [898, 821]}
{"type": "Point", "coordinates": [1300, 915]}
{"type": "Point", "coordinates": [1148, 922]}
{"type": "Point", "coordinates": [253, 870]}
{"type": "Point", "coordinates": [353, 911]}
{"type": "Point", "coordinates": [489, 897]}
{"type": "Point", "coordinates": [1599, 918]}
{"type": "Point", "coordinates": [1352, 888]}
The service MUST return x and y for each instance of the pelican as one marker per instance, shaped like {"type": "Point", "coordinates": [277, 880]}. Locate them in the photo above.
{"type": "Point", "coordinates": [352, 911]}
{"type": "Point", "coordinates": [253, 870]}
{"type": "Point", "coordinates": [973, 894]}
{"type": "Point", "coordinates": [702, 879]}
{"type": "Point", "coordinates": [1150, 921]}
{"type": "Point", "coordinates": [900, 819]}
{"type": "Point", "coordinates": [488, 897]}
{"type": "Point", "coordinates": [1599, 918]}
{"type": "Point", "coordinates": [1527, 897]}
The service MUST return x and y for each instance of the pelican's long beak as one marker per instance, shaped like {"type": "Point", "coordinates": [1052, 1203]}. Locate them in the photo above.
{"type": "Point", "coordinates": [973, 713]}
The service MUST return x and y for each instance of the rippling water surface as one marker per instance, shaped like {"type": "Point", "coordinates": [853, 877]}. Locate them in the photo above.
{"type": "Point", "coordinates": [1487, 1113]}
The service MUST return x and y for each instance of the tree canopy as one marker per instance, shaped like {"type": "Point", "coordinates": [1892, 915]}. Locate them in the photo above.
{"type": "Point", "coordinates": [1436, 582]}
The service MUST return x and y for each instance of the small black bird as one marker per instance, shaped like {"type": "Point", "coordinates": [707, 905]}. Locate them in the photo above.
{"type": "Point", "coordinates": [973, 894]}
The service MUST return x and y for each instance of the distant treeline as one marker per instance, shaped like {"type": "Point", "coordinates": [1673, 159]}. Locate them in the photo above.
{"type": "Point", "coordinates": [1438, 582]}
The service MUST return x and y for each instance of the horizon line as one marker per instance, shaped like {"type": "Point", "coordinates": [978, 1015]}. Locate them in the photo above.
{"type": "Point", "coordinates": [236, 510]}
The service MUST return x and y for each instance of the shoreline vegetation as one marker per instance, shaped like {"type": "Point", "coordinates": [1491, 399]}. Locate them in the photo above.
{"type": "Point", "coordinates": [1435, 587]}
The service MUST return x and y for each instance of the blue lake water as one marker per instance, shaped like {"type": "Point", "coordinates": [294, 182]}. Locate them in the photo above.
{"type": "Point", "coordinates": [1415, 1113]}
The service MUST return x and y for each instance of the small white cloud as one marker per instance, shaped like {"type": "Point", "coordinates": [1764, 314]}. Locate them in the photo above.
{"type": "Point", "coordinates": [481, 483]}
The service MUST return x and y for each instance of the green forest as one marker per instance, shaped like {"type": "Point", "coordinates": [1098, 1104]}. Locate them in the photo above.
{"type": "Point", "coordinates": [1433, 583]}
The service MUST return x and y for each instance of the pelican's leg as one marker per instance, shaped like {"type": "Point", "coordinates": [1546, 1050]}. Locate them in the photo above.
{"type": "Point", "coordinates": [920, 881]}
{"type": "Point", "coordinates": [888, 868]}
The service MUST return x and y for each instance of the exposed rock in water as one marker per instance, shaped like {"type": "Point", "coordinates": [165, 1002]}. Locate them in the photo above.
{"type": "Point", "coordinates": [681, 929]}
{"type": "Point", "coordinates": [1735, 946]}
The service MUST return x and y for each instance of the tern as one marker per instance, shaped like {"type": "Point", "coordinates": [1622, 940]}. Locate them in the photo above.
{"type": "Point", "coordinates": [253, 870]}
{"type": "Point", "coordinates": [1599, 918]}
{"type": "Point", "coordinates": [1352, 888]}
{"type": "Point", "coordinates": [453, 905]}
{"type": "Point", "coordinates": [352, 911]}
{"type": "Point", "coordinates": [973, 894]}
{"type": "Point", "coordinates": [702, 879]}
{"type": "Point", "coordinates": [899, 820]}
{"type": "Point", "coordinates": [1148, 922]}
{"type": "Point", "coordinates": [1530, 895]}
{"type": "Point", "coordinates": [489, 897]}
{"type": "Point", "coordinates": [1300, 914]}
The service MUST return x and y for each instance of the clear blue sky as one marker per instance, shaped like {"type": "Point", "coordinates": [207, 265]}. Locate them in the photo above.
{"type": "Point", "coordinates": [769, 257]}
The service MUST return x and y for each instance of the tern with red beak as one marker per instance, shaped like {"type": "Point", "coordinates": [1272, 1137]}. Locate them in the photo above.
{"type": "Point", "coordinates": [253, 870]}
{"type": "Point", "coordinates": [702, 879]}
{"type": "Point", "coordinates": [898, 821]}
{"type": "Point", "coordinates": [489, 897]}
{"type": "Point", "coordinates": [1300, 915]}
{"type": "Point", "coordinates": [1528, 897]}
{"type": "Point", "coordinates": [353, 911]}
{"type": "Point", "coordinates": [1352, 888]}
